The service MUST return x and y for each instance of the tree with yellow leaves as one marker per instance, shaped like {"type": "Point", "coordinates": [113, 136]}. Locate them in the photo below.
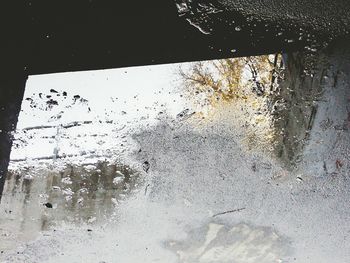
{"type": "Point", "coordinates": [233, 78]}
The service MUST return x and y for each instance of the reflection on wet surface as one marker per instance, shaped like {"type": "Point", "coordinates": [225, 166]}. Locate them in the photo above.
{"type": "Point", "coordinates": [273, 99]}
{"type": "Point", "coordinates": [35, 200]}
{"type": "Point", "coordinates": [241, 243]}
{"type": "Point", "coordinates": [254, 94]}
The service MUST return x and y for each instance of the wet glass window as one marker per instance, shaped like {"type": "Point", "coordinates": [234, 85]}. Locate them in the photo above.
{"type": "Point", "coordinates": [233, 160]}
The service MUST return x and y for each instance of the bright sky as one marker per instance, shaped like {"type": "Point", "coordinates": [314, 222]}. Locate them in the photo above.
{"type": "Point", "coordinates": [116, 98]}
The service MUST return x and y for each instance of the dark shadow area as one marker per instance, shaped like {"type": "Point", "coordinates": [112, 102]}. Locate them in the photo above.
{"type": "Point", "coordinates": [10, 103]}
{"type": "Point", "coordinates": [42, 37]}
